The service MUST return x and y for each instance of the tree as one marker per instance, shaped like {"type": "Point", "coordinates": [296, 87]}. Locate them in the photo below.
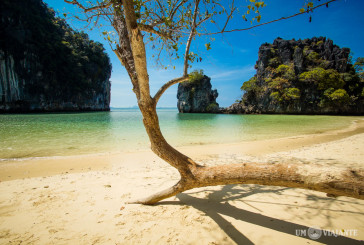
{"type": "Point", "coordinates": [358, 66]}
{"type": "Point", "coordinates": [169, 22]}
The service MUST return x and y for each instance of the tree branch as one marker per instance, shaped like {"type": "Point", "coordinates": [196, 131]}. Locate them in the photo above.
{"type": "Point", "coordinates": [173, 12]}
{"type": "Point", "coordinates": [169, 192]}
{"type": "Point", "coordinates": [161, 6]}
{"type": "Point", "coordinates": [331, 180]}
{"type": "Point", "coordinates": [192, 34]}
{"type": "Point", "coordinates": [88, 19]}
{"type": "Point", "coordinates": [269, 22]}
{"type": "Point", "coordinates": [85, 9]}
{"type": "Point", "coordinates": [203, 20]}
{"type": "Point", "coordinates": [229, 16]}
{"type": "Point", "coordinates": [167, 85]}
{"type": "Point", "coordinates": [150, 29]}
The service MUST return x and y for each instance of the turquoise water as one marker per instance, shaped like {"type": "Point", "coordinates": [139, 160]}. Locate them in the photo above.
{"type": "Point", "coordinates": [121, 130]}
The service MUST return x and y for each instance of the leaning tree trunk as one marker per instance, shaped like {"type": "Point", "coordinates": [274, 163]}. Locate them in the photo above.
{"type": "Point", "coordinates": [332, 180]}
{"type": "Point", "coordinates": [131, 52]}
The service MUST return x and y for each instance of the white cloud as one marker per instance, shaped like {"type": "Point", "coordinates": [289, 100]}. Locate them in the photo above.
{"type": "Point", "coordinates": [243, 51]}
{"type": "Point", "coordinates": [236, 73]}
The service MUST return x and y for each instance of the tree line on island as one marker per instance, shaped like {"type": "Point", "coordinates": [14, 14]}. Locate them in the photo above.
{"type": "Point", "coordinates": [46, 65]}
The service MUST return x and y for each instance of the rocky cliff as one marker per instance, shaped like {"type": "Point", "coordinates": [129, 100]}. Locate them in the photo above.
{"type": "Point", "coordinates": [47, 66]}
{"type": "Point", "coordinates": [310, 76]}
{"type": "Point", "coordinates": [196, 96]}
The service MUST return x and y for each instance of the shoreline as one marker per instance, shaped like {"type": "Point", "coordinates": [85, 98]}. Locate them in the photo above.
{"type": "Point", "coordinates": [48, 166]}
{"type": "Point", "coordinates": [21, 144]}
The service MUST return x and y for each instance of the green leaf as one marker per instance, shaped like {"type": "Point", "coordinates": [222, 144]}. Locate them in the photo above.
{"type": "Point", "coordinates": [208, 46]}
{"type": "Point", "coordinates": [302, 10]}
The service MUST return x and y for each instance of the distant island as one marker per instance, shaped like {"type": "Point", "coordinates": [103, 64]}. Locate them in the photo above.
{"type": "Point", "coordinates": [46, 65]}
{"type": "Point", "coordinates": [310, 76]}
{"type": "Point", "coordinates": [196, 95]}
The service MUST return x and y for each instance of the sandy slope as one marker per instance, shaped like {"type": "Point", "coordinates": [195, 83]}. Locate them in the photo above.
{"type": "Point", "coordinates": [81, 200]}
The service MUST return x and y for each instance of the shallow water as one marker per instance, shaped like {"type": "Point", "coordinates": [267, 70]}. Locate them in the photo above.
{"type": "Point", "coordinates": [63, 134]}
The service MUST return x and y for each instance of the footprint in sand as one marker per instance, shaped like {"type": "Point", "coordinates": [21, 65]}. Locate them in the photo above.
{"type": "Point", "coordinates": [52, 231]}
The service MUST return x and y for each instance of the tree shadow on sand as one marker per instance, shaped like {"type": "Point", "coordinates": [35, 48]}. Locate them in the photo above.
{"type": "Point", "coordinates": [216, 204]}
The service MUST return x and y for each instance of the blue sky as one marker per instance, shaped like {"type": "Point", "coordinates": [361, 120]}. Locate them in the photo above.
{"type": "Point", "coordinates": [231, 60]}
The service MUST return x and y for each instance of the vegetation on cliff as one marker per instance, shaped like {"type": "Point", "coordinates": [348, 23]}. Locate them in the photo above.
{"type": "Point", "coordinates": [305, 76]}
{"type": "Point", "coordinates": [52, 62]}
{"type": "Point", "coordinates": [196, 95]}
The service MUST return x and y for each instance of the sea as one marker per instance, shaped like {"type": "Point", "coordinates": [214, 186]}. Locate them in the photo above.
{"type": "Point", "coordinates": [25, 136]}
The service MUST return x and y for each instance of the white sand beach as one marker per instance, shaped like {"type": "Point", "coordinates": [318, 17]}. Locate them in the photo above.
{"type": "Point", "coordinates": [82, 199]}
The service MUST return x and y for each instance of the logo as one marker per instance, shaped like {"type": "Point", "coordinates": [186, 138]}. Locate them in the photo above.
{"type": "Point", "coordinates": [314, 233]}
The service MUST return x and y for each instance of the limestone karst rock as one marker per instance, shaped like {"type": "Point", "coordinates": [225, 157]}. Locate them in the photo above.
{"type": "Point", "coordinates": [197, 97]}
{"type": "Point", "coordinates": [47, 66]}
{"type": "Point", "coordinates": [310, 76]}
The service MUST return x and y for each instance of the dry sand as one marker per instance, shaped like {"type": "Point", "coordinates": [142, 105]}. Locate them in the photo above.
{"type": "Point", "coordinates": [81, 199]}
